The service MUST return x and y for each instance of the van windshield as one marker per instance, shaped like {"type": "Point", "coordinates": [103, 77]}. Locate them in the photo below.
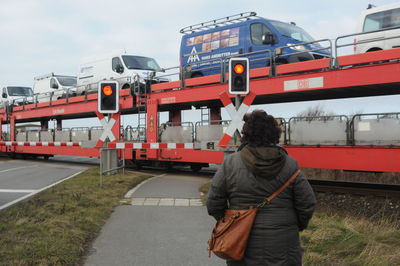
{"type": "Point", "coordinates": [292, 31]}
{"type": "Point", "coordinates": [382, 20]}
{"type": "Point", "coordinates": [19, 91]}
{"type": "Point", "coordinates": [67, 81]}
{"type": "Point", "coordinates": [140, 62]}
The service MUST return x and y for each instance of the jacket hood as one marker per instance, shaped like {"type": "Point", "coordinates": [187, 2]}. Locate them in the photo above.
{"type": "Point", "coordinates": [264, 161]}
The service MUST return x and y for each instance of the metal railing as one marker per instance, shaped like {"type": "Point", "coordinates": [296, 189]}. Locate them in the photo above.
{"type": "Point", "coordinates": [350, 129]}
{"type": "Point", "coordinates": [311, 119]}
{"type": "Point", "coordinates": [337, 45]}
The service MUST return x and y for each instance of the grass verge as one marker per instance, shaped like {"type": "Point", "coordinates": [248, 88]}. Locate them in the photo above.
{"type": "Point", "coordinates": [57, 226]}
{"type": "Point", "coordinates": [343, 238]}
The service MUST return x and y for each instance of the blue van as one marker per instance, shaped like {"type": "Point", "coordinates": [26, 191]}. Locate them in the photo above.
{"type": "Point", "coordinates": [205, 47]}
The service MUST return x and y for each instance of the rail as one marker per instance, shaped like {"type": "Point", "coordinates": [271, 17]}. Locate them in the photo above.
{"type": "Point", "coordinates": [358, 188]}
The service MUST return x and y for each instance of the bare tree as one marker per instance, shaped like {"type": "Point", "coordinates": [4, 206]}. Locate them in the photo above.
{"type": "Point", "coordinates": [316, 112]}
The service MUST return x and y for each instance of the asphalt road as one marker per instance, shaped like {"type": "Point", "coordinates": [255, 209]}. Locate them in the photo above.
{"type": "Point", "coordinates": [21, 179]}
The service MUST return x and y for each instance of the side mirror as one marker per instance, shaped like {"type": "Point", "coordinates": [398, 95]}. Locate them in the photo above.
{"type": "Point", "coordinates": [119, 69]}
{"type": "Point", "coordinates": [4, 95]}
{"type": "Point", "coordinates": [54, 86]}
{"type": "Point", "coordinates": [268, 38]}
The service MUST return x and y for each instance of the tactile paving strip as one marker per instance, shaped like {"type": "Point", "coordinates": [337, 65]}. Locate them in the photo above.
{"type": "Point", "coordinates": [166, 202]}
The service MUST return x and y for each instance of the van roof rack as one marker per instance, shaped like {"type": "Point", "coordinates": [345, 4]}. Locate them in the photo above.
{"type": "Point", "coordinates": [218, 22]}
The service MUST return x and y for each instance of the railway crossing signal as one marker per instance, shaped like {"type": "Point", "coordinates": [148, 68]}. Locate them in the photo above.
{"type": "Point", "coordinates": [108, 97]}
{"type": "Point", "coordinates": [239, 76]}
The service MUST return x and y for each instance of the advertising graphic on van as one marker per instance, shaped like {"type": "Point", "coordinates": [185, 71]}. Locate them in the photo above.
{"type": "Point", "coordinates": [207, 46]}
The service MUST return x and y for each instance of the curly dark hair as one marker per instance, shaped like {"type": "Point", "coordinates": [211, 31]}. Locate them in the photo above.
{"type": "Point", "coordinates": [260, 129]}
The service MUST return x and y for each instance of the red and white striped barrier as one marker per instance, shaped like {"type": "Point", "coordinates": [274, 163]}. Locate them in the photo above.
{"type": "Point", "coordinates": [40, 144]}
{"type": "Point", "coordinates": [139, 145]}
{"type": "Point", "coordinates": [236, 115]}
{"type": "Point", "coordinates": [111, 145]}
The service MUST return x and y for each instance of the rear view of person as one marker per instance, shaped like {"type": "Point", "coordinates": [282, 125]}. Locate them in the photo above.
{"type": "Point", "coordinates": [246, 177]}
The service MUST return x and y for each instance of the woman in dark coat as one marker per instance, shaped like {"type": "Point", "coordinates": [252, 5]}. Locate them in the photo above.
{"type": "Point", "coordinates": [248, 176]}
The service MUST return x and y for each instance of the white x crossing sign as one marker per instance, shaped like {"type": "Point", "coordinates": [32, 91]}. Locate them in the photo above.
{"type": "Point", "coordinates": [236, 115]}
{"type": "Point", "coordinates": [107, 129]}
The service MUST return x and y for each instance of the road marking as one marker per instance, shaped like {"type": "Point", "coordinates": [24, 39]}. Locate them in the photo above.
{"type": "Point", "coordinates": [166, 202]}
{"type": "Point", "coordinates": [37, 191]}
{"type": "Point", "coordinates": [17, 190]}
{"type": "Point", "coordinates": [17, 168]}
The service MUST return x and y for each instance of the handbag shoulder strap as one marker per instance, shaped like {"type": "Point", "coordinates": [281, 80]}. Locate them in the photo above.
{"type": "Point", "coordinates": [277, 192]}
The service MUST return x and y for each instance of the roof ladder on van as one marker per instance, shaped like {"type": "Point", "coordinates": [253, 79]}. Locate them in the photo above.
{"type": "Point", "coordinates": [218, 22]}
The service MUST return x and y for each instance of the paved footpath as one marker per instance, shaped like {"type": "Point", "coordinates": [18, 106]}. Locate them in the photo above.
{"type": "Point", "coordinates": [164, 224]}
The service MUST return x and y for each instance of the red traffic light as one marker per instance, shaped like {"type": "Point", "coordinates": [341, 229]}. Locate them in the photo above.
{"type": "Point", "coordinates": [238, 68]}
{"type": "Point", "coordinates": [107, 90]}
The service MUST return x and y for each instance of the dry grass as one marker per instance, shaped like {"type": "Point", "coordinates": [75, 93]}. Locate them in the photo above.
{"type": "Point", "coordinates": [56, 226]}
{"type": "Point", "coordinates": [336, 240]}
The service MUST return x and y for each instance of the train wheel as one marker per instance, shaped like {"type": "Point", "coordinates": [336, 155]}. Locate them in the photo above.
{"type": "Point", "coordinates": [195, 167]}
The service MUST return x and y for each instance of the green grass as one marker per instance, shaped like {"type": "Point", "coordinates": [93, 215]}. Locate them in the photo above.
{"type": "Point", "coordinates": [57, 226]}
{"type": "Point", "coordinates": [345, 239]}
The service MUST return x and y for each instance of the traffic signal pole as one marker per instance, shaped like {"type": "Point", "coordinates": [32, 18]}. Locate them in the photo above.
{"type": "Point", "coordinates": [238, 102]}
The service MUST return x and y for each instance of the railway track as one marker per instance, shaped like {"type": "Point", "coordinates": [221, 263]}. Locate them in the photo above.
{"type": "Point", "coordinates": [340, 187]}
{"type": "Point", "coordinates": [356, 188]}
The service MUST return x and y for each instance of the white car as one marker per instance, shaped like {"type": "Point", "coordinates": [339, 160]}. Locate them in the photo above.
{"type": "Point", "coordinates": [54, 87]}
{"type": "Point", "coordinates": [124, 68]}
{"type": "Point", "coordinates": [375, 19]}
{"type": "Point", "coordinates": [16, 95]}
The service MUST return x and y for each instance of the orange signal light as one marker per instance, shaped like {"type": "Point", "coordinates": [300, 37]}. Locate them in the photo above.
{"type": "Point", "coordinates": [107, 90]}
{"type": "Point", "coordinates": [238, 68]}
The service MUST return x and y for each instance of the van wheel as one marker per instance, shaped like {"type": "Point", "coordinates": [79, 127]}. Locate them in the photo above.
{"type": "Point", "coordinates": [374, 50]}
{"type": "Point", "coordinates": [196, 75]}
{"type": "Point", "coordinates": [126, 86]}
{"type": "Point", "coordinates": [281, 62]}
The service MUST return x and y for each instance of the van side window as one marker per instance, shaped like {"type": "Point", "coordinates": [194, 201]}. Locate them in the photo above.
{"type": "Point", "coordinates": [116, 62]}
{"type": "Point", "coordinates": [381, 20]}
{"type": "Point", "coordinates": [257, 31]}
{"type": "Point", "coordinates": [53, 83]}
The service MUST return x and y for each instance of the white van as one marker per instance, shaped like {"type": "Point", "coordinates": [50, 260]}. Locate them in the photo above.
{"type": "Point", "coordinates": [54, 86]}
{"type": "Point", "coordinates": [374, 19]}
{"type": "Point", "coordinates": [124, 68]}
{"type": "Point", "coordinates": [16, 95]}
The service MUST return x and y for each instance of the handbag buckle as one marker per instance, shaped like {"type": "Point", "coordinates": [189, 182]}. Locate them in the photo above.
{"type": "Point", "coordinates": [262, 204]}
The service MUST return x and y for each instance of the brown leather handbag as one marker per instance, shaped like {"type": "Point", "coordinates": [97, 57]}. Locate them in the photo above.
{"type": "Point", "coordinates": [230, 234]}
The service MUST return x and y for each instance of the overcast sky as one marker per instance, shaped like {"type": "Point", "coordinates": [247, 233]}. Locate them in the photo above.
{"type": "Point", "coordinates": [42, 36]}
